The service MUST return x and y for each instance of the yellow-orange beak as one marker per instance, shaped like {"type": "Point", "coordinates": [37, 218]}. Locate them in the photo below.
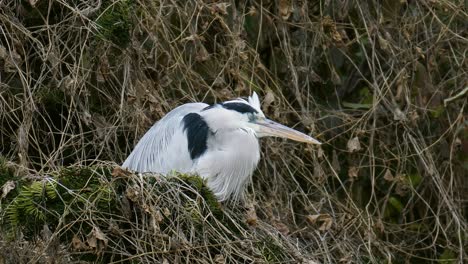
{"type": "Point", "coordinates": [270, 128]}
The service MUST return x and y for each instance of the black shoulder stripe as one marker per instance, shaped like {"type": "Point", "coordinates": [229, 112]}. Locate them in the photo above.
{"type": "Point", "coordinates": [209, 107]}
{"type": "Point", "coordinates": [197, 134]}
{"type": "Point", "coordinates": [239, 107]}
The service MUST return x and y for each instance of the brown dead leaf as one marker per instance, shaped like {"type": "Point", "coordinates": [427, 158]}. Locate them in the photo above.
{"type": "Point", "coordinates": [243, 55]}
{"type": "Point", "coordinates": [166, 212]}
{"type": "Point", "coordinates": [97, 239]}
{"type": "Point", "coordinates": [100, 235]}
{"type": "Point", "coordinates": [92, 242]}
{"type": "Point", "coordinates": [126, 208]}
{"type": "Point", "coordinates": [324, 220]}
{"type": "Point", "coordinates": [251, 215]}
{"type": "Point", "coordinates": [157, 216]}
{"type": "Point", "coordinates": [240, 87]}
{"type": "Point", "coordinates": [320, 153]}
{"type": "Point", "coordinates": [335, 162]}
{"type": "Point", "coordinates": [132, 194]}
{"type": "Point", "coordinates": [398, 115]}
{"type": "Point", "coordinates": [221, 8]}
{"type": "Point", "coordinates": [336, 36]}
{"type": "Point", "coordinates": [327, 223]}
{"type": "Point", "coordinates": [119, 172]}
{"type": "Point", "coordinates": [281, 227]}
{"type": "Point", "coordinates": [219, 82]}
{"type": "Point", "coordinates": [268, 99]}
{"type": "Point", "coordinates": [146, 207]}
{"type": "Point", "coordinates": [388, 175]}
{"type": "Point", "coordinates": [353, 172]}
{"type": "Point", "coordinates": [312, 219]}
{"type": "Point", "coordinates": [384, 43]}
{"type": "Point", "coordinates": [402, 85]}
{"type": "Point", "coordinates": [329, 25]}
{"type": "Point", "coordinates": [346, 259]}
{"type": "Point", "coordinates": [154, 222]}
{"type": "Point", "coordinates": [114, 228]}
{"type": "Point", "coordinates": [7, 187]}
{"type": "Point", "coordinates": [319, 173]}
{"type": "Point", "coordinates": [193, 37]}
{"type": "Point", "coordinates": [46, 234]}
{"type": "Point", "coordinates": [402, 189]}
{"type": "Point", "coordinates": [262, 66]}
{"type": "Point", "coordinates": [33, 2]}
{"type": "Point", "coordinates": [284, 9]}
{"type": "Point", "coordinates": [202, 54]}
{"type": "Point", "coordinates": [219, 258]}
{"type": "Point", "coordinates": [335, 77]}
{"type": "Point", "coordinates": [3, 52]}
{"type": "Point", "coordinates": [353, 145]}
{"type": "Point", "coordinates": [252, 11]}
{"type": "Point", "coordinates": [77, 244]}
{"type": "Point", "coordinates": [420, 52]}
{"type": "Point", "coordinates": [12, 61]}
{"type": "Point", "coordinates": [103, 71]}
{"type": "Point", "coordinates": [379, 226]}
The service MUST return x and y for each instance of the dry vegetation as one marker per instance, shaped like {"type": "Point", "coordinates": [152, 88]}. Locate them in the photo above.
{"type": "Point", "coordinates": [382, 83]}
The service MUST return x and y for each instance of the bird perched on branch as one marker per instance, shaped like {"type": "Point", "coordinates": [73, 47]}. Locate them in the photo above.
{"type": "Point", "coordinates": [218, 142]}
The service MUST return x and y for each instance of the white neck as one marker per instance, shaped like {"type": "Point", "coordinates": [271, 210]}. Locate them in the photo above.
{"type": "Point", "coordinates": [228, 165]}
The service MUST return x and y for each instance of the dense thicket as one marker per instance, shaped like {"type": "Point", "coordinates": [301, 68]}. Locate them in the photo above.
{"type": "Point", "coordinates": [382, 83]}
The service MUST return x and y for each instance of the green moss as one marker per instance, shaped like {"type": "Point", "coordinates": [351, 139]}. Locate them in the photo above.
{"type": "Point", "coordinates": [81, 177]}
{"type": "Point", "coordinates": [74, 192]}
{"type": "Point", "coordinates": [115, 23]}
{"type": "Point", "coordinates": [56, 198]}
{"type": "Point", "coordinates": [88, 186]}
{"type": "Point", "coordinates": [271, 252]}
{"type": "Point", "coordinates": [193, 181]}
{"type": "Point", "coordinates": [213, 206]}
{"type": "Point", "coordinates": [199, 185]}
{"type": "Point", "coordinates": [51, 98]}
{"type": "Point", "coordinates": [6, 173]}
{"type": "Point", "coordinates": [448, 257]}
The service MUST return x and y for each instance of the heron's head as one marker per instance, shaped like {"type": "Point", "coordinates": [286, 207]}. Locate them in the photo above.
{"type": "Point", "coordinates": [247, 115]}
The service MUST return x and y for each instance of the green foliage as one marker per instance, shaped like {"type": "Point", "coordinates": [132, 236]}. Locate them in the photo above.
{"type": "Point", "coordinates": [30, 206]}
{"type": "Point", "coordinates": [206, 208]}
{"type": "Point", "coordinates": [115, 22]}
{"type": "Point", "coordinates": [396, 203]}
{"type": "Point", "coordinates": [200, 187]}
{"type": "Point", "coordinates": [6, 173]}
{"type": "Point", "coordinates": [51, 99]}
{"type": "Point", "coordinates": [414, 179]}
{"type": "Point", "coordinates": [48, 200]}
{"type": "Point", "coordinates": [77, 191]}
{"type": "Point", "coordinates": [271, 252]}
{"type": "Point", "coordinates": [448, 257]}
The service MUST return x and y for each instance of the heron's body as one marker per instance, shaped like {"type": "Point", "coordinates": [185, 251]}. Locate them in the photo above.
{"type": "Point", "coordinates": [218, 142]}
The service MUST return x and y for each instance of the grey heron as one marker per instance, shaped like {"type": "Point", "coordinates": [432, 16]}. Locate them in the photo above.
{"type": "Point", "coordinates": [218, 142]}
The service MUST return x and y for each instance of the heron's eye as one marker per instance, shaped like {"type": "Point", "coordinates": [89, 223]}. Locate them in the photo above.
{"type": "Point", "coordinates": [252, 117]}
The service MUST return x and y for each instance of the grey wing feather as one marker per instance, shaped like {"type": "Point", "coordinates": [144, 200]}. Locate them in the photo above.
{"type": "Point", "coordinates": [164, 147]}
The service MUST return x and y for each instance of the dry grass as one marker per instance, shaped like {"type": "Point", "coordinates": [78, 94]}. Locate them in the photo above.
{"type": "Point", "coordinates": [382, 83]}
{"type": "Point", "coordinates": [123, 217]}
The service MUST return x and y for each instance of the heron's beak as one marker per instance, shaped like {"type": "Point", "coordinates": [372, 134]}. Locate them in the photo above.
{"type": "Point", "coordinates": [271, 128]}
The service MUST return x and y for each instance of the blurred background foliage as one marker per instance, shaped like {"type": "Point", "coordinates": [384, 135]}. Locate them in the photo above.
{"type": "Point", "coordinates": [382, 83]}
